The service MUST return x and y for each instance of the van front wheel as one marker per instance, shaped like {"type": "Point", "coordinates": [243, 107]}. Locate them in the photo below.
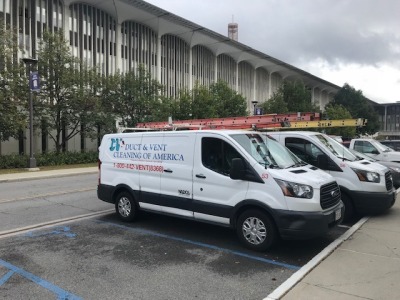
{"type": "Point", "coordinates": [125, 207]}
{"type": "Point", "coordinates": [256, 230]}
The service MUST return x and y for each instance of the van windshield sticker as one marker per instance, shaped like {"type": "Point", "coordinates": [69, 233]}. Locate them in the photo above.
{"type": "Point", "coordinates": [158, 152]}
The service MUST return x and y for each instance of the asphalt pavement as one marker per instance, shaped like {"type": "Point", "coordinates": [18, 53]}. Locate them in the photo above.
{"type": "Point", "coordinates": [364, 263]}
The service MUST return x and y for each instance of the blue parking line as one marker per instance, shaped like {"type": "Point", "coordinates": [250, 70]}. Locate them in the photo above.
{"type": "Point", "coordinates": [238, 253]}
{"type": "Point", "coordinates": [61, 294]}
{"type": "Point", "coordinates": [4, 279]}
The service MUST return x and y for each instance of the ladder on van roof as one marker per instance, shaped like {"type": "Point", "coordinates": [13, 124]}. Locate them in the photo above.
{"type": "Point", "coordinates": [258, 123]}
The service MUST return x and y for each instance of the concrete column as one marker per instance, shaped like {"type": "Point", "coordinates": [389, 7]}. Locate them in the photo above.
{"type": "Point", "coordinates": [191, 68]}
{"type": "Point", "coordinates": [237, 77]}
{"type": "Point", "coordinates": [255, 86]}
{"type": "Point", "coordinates": [270, 85]}
{"type": "Point", "coordinates": [118, 41]}
{"type": "Point", "coordinates": [159, 58]}
{"type": "Point", "coordinates": [216, 69]}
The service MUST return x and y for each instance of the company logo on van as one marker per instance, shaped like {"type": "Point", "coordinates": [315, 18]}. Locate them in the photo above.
{"type": "Point", "coordinates": [116, 144]}
{"type": "Point", "coordinates": [138, 151]}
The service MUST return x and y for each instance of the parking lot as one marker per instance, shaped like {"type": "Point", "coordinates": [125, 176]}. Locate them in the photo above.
{"type": "Point", "coordinates": [100, 257]}
{"type": "Point", "coordinates": [157, 257]}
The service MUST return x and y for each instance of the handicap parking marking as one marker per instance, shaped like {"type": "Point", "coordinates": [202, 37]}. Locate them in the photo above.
{"type": "Point", "coordinates": [238, 253]}
{"type": "Point", "coordinates": [60, 230]}
{"type": "Point", "coordinates": [61, 294]}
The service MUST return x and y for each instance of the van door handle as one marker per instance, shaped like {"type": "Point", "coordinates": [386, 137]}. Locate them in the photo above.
{"type": "Point", "coordinates": [168, 170]}
{"type": "Point", "coordinates": [200, 176]}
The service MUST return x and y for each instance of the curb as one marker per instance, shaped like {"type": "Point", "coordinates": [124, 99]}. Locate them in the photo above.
{"type": "Point", "coordinates": [43, 176]}
{"type": "Point", "coordinates": [286, 286]}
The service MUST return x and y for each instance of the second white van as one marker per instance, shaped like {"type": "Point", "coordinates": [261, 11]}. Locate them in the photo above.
{"type": "Point", "coordinates": [366, 187]}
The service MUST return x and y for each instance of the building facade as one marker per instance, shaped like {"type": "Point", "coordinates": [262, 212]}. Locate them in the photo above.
{"type": "Point", "coordinates": [119, 35]}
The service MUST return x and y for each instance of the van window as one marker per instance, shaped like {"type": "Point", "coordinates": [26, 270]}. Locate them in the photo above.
{"type": "Point", "coordinates": [217, 155]}
{"type": "Point", "coordinates": [364, 147]}
{"type": "Point", "coordinates": [304, 149]}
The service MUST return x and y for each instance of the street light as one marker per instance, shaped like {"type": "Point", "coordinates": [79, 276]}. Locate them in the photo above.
{"type": "Point", "coordinates": [29, 62]}
{"type": "Point", "coordinates": [254, 106]}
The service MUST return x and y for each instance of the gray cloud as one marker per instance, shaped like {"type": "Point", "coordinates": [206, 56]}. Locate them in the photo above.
{"type": "Point", "coordinates": [347, 31]}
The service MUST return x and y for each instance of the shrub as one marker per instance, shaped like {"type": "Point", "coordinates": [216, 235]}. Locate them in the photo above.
{"type": "Point", "coordinates": [48, 159]}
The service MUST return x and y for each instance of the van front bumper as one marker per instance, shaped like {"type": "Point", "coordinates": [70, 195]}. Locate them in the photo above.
{"type": "Point", "coordinates": [367, 203]}
{"type": "Point", "coordinates": [305, 225]}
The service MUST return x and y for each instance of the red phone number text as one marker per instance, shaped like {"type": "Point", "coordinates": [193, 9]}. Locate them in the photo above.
{"type": "Point", "coordinates": [148, 168]}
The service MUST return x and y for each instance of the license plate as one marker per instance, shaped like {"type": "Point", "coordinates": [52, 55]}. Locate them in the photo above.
{"type": "Point", "coordinates": [338, 214]}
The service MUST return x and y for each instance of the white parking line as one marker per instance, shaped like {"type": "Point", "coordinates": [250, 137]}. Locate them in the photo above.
{"type": "Point", "coordinates": [13, 232]}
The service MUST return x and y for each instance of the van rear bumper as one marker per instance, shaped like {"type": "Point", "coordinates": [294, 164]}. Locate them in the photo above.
{"type": "Point", "coordinates": [105, 192]}
{"type": "Point", "coordinates": [367, 203]}
{"type": "Point", "coordinates": [305, 225]}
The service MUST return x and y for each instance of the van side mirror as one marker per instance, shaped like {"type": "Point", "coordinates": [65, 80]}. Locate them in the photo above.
{"type": "Point", "coordinates": [322, 161]}
{"type": "Point", "coordinates": [238, 168]}
{"type": "Point", "coordinates": [375, 152]}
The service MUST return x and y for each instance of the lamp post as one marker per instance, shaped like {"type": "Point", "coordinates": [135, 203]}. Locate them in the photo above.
{"type": "Point", "coordinates": [29, 62]}
{"type": "Point", "coordinates": [254, 106]}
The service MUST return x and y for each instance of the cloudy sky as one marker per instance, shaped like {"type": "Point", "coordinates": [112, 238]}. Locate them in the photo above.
{"type": "Point", "coordinates": [342, 41]}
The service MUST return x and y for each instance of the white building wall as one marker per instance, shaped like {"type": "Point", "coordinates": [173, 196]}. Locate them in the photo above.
{"type": "Point", "coordinates": [111, 44]}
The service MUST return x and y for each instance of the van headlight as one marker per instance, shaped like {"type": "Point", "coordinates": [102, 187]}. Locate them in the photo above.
{"type": "Point", "coordinates": [292, 189]}
{"type": "Point", "coordinates": [367, 176]}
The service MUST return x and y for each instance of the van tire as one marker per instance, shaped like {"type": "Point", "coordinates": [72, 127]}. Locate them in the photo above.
{"type": "Point", "coordinates": [125, 207]}
{"type": "Point", "coordinates": [256, 230]}
{"type": "Point", "coordinates": [348, 208]}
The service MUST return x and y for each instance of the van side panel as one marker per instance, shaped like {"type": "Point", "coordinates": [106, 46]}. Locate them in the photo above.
{"type": "Point", "coordinates": [117, 166]}
{"type": "Point", "coordinates": [176, 179]}
{"type": "Point", "coordinates": [150, 167]}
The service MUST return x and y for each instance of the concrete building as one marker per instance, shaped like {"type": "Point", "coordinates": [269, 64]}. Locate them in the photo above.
{"type": "Point", "coordinates": [389, 118]}
{"type": "Point", "coordinates": [121, 34]}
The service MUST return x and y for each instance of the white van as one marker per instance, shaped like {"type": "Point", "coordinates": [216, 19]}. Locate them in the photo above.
{"type": "Point", "coordinates": [239, 179]}
{"type": "Point", "coordinates": [375, 149]}
{"type": "Point", "coordinates": [366, 187]}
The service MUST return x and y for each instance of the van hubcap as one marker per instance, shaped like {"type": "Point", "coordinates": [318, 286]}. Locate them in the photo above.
{"type": "Point", "coordinates": [124, 207]}
{"type": "Point", "coordinates": [254, 230]}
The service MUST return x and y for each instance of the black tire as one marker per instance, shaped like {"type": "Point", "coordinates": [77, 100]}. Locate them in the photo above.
{"type": "Point", "coordinates": [348, 208]}
{"type": "Point", "coordinates": [125, 207]}
{"type": "Point", "coordinates": [256, 230]}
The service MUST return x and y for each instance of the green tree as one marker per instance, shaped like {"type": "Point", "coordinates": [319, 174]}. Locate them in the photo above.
{"type": "Point", "coordinates": [292, 96]}
{"type": "Point", "coordinates": [228, 103]}
{"type": "Point", "coordinates": [134, 96]}
{"type": "Point", "coordinates": [275, 104]}
{"type": "Point", "coordinates": [337, 112]}
{"type": "Point", "coordinates": [68, 100]}
{"type": "Point", "coordinates": [13, 86]}
{"type": "Point", "coordinates": [203, 104]}
{"type": "Point", "coordinates": [359, 107]}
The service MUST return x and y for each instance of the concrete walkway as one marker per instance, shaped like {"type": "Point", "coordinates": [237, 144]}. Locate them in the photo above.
{"type": "Point", "coordinates": [365, 265]}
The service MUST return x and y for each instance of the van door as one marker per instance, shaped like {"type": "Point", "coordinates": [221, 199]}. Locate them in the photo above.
{"type": "Point", "coordinates": [214, 192]}
{"type": "Point", "coordinates": [176, 178]}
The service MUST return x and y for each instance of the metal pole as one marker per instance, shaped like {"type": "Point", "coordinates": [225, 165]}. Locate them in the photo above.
{"type": "Point", "coordinates": [32, 160]}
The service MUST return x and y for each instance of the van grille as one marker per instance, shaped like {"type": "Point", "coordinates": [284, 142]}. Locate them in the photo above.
{"type": "Point", "coordinates": [389, 181]}
{"type": "Point", "coordinates": [330, 195]}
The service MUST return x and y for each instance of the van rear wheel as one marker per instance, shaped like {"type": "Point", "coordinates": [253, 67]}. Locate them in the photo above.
{"type": "Point", "coordinates": [125, 207]}
{"type": "Point", "coordinates": [256, 230]}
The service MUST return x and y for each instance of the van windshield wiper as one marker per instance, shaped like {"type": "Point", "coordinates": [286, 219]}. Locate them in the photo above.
{"type": "Point", "coordinates": [344, 158]}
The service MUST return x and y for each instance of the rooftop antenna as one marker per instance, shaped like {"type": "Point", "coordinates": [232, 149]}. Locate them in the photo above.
{"type": "Point", "coordinates": [233, 30]}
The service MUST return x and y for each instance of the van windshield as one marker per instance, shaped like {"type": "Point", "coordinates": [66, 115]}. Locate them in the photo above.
{"type": "Point", "coordinates": [335, 147]}
{"type": "Point", "coordinates": [267, 151]}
